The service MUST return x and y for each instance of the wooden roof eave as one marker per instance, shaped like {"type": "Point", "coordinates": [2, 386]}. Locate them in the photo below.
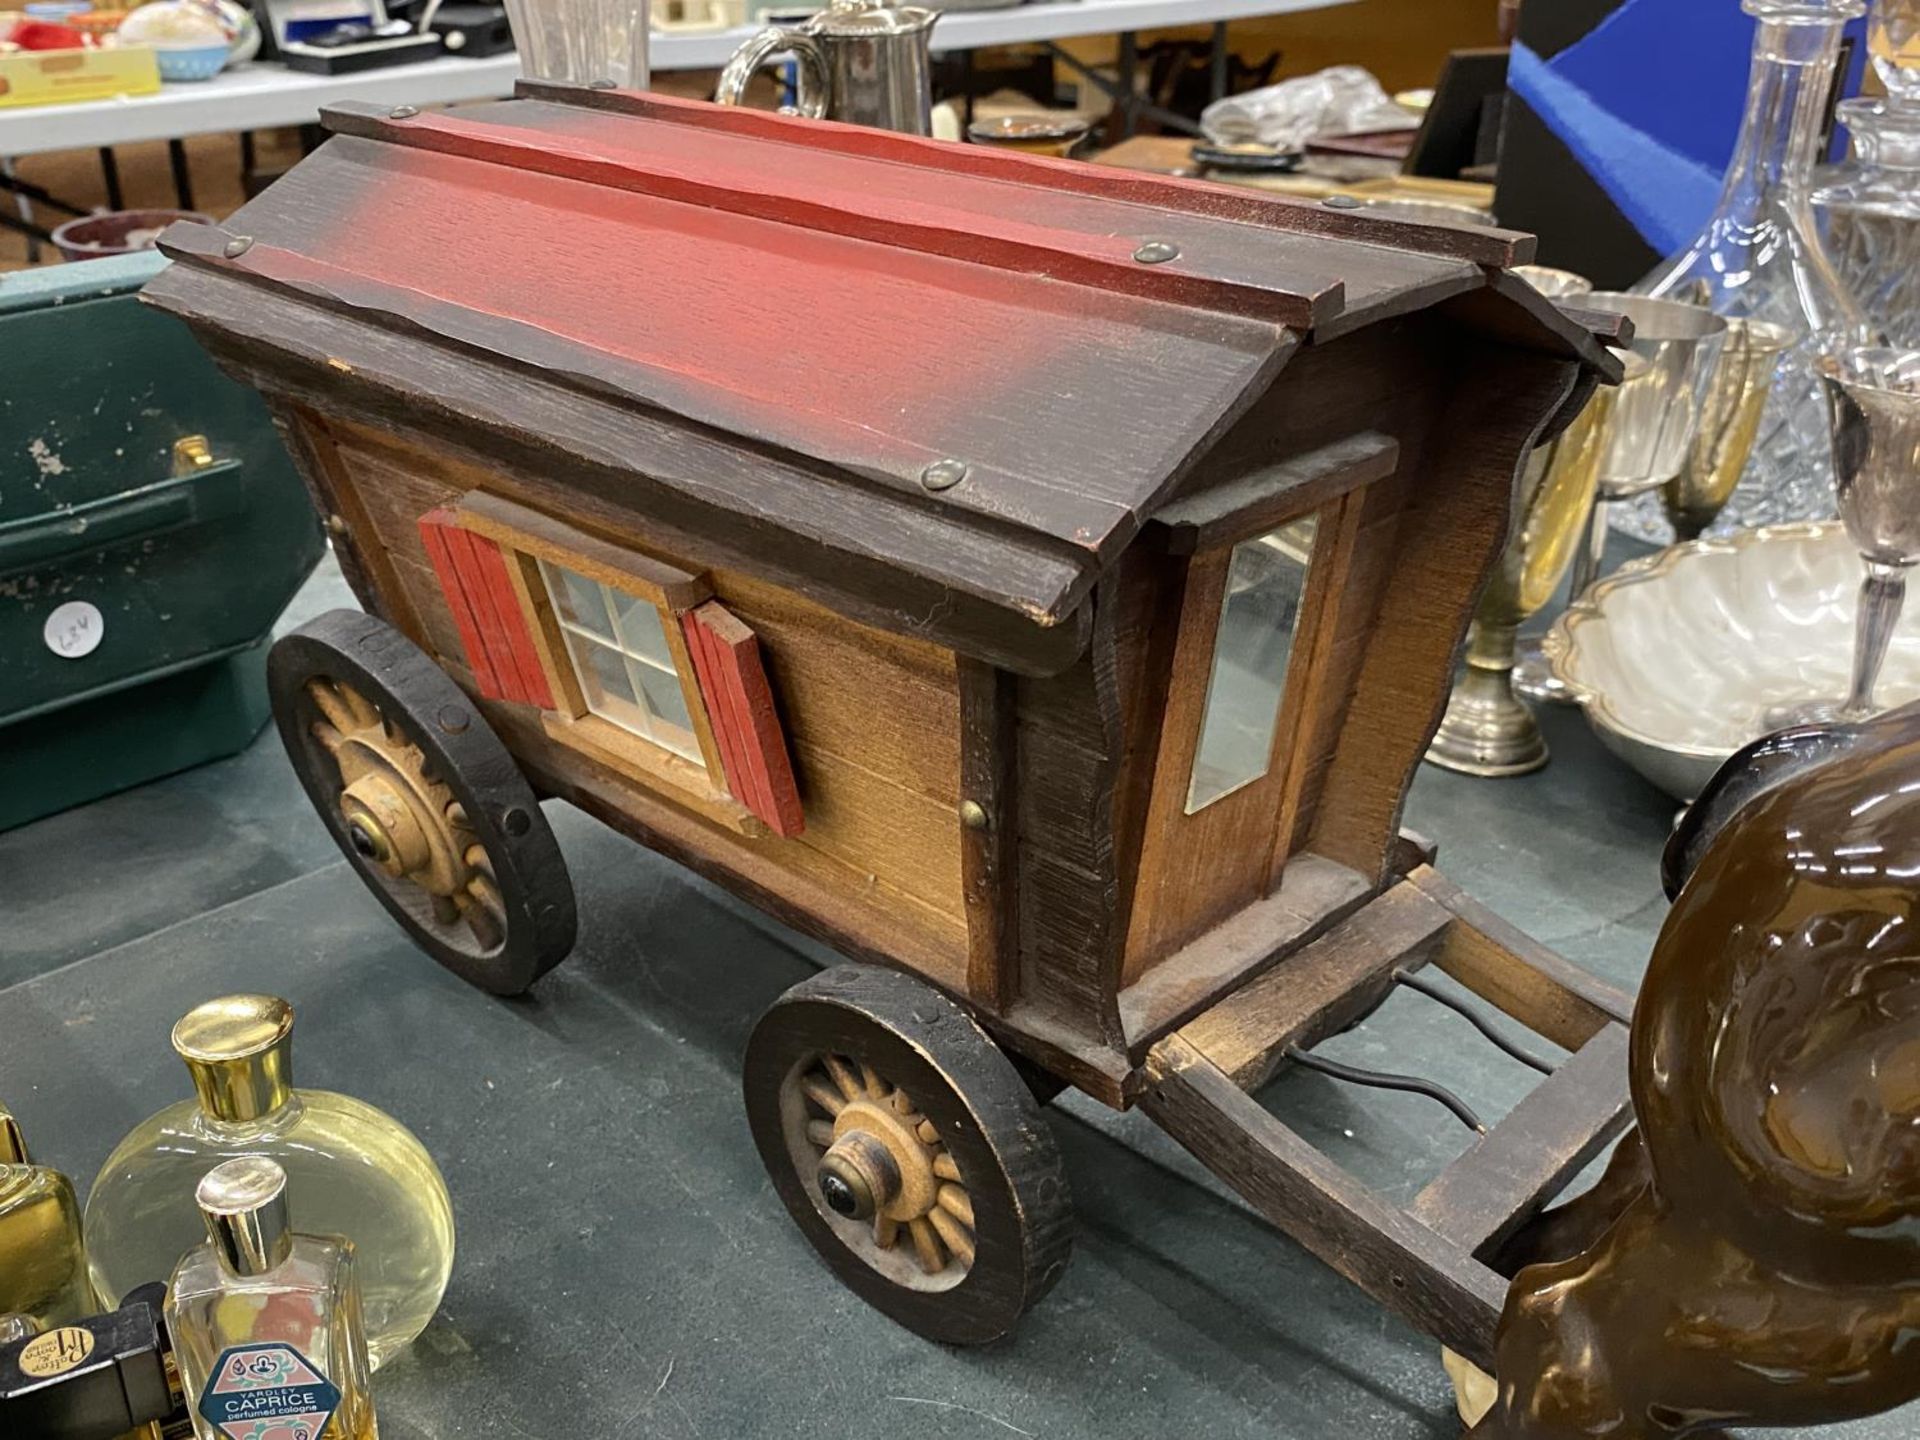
{"type": "Point", "coordinates": [939, 575]}
{"type": "Point", "coordinates": [1507, 308]}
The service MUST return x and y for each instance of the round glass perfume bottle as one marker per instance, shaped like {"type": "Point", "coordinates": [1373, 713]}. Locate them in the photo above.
{"type": "Point", "coordinates": [353, 1171]}
{"type": "Point", "coordinates": [1759, 258]}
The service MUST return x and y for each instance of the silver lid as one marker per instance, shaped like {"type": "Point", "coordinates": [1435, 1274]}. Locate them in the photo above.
{"type": "Point", "coordinates": [851, 18]}
{"type": "Point", "coordinates": [244, 1203]}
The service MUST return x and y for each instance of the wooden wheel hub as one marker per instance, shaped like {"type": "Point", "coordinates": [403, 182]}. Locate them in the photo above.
{"type": "Point", "coordinates": [400, 818]}
{"type": "Point", "coordinates": [882, 1166]}
{"type": "Point", "coordinates": [384, 827]}
{"type": "Point", "coordinates": [897, 1163]}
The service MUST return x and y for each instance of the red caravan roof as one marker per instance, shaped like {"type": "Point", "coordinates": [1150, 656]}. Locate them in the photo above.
{"type": "Point", "coordinates": [847, 298]}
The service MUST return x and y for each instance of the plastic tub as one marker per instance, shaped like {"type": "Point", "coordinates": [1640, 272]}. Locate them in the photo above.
{"type": "Point", "coordinates": [117, 232]}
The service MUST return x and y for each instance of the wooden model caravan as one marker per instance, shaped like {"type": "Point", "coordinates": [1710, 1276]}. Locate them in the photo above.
{"type": "Point", "coordinates": [1037, 580]}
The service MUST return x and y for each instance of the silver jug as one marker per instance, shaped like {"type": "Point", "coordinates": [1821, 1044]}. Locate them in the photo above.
{"type": "Point", "coordinates": [859, 61]}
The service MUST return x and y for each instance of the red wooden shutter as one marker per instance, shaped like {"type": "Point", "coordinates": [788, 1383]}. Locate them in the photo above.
{"type": "Point", "coordinates": [733, 679]}
{"type": "Point", "coordinates": [493, 627]}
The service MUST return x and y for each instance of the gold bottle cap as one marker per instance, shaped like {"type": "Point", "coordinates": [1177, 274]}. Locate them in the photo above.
{"type": "Point", "coordinates": [244, 1203]}
{"type": "Point", "coordinates": [239, 1050]}
{"type": "Point", "coordinates": [13, 1145]}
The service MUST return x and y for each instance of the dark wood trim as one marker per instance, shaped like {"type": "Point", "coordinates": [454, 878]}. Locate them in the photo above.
{"type": "Point", "coordinates": [1320, 989]}
{"type": "Point", "coordinates": [1425, 1279]}
{"type": "Point", "coordinates": [1520, 1166]}
{"type": "Point", "coordinates": [1453, 524]}
{"type": "Point", "coordinates": [625, 467]}
{"type": "Point", "coordinates": [989, 844]}
{"type": "Point", "coordinates": [1313, 895]}
{"type": "Point", "coordinates": [1073, 902]}
{"type": "Point", "coordinates": [368, 571]}
{"type": "Point", "coordinates": [532, 532]}
{"type": "Point", "coordinates": [1509, 969]}
{"type": "Point", "coordinates": [1262, 499]}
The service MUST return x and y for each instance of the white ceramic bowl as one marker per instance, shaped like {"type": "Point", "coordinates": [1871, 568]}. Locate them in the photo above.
{"type": "Point", "coordinates": [1678, 657]}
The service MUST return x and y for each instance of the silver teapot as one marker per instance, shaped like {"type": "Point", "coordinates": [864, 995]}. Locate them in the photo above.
{"type": "Point", "coordinates": [860, 61]}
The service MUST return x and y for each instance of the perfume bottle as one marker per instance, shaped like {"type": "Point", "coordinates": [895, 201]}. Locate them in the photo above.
{"type": "Point", "coordinates": [266, 1322]}
{"type": "Point", "coordinates": [1869, 208]}
{"type": "Point", "coordinates": [1759, 258]}
{"type": "Point", "coordinates": [107, 1377]}
{"type": "Point", "coordinates": [43, 1266]}
{"type": "Point", "coordinates": [355, 1171]}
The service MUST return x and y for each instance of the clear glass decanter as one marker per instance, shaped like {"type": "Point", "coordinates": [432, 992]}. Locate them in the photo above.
{"type": "Point", "coordinates": [1759, 258]}
{"type": "Point", "coordinates": [1869, 208]}
{"type": "Point", "coordinates": [353, 1170]}
{"type": "Point", "coordinates": [266, 1321]}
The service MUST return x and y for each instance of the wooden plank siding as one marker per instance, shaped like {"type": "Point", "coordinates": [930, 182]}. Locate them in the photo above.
{"type": "Point", "coordinates": [873, 719]}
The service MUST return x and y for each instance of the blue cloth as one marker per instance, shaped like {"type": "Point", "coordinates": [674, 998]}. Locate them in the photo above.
{"type": "Point", "coordinates": [1649, 101]}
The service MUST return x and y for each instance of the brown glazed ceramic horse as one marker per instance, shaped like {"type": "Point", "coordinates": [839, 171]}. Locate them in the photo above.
{"type": "Point", "coordinates": [1753, 1255]}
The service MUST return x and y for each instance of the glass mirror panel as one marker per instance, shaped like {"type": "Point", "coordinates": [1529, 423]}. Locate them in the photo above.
{"type": "Point", "coordinates": [1266, 582]}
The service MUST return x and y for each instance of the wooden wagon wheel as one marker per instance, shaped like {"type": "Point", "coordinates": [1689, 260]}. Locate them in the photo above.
{"type": "Point", "coordinates": [424, 800]}
{"type": "Point", "coordinates": [909, 1151]}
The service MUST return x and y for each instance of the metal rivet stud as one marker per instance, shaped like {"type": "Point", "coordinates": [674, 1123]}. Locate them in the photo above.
{"type": "Point", "coordinates": [336, 524]}
{"type": "Point", "coordinates": [238, 246]}
{"type": "Point", "coordinates": [943, 474]}
{"type": "Point", "coordinates": [1343, 202]}
{"type": "Point", "coordinates": [403, 112]}
{"type": "Point", "coordinates": [601, 85]}
{"type": "Point", "coordinates": [973, 815]}
{"type": "Point", "coordinates": [1157, 252]}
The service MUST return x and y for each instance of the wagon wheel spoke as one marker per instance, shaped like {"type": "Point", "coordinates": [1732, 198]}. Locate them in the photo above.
{"type": "Point", "coordinates": [344, 706]}
{"type": "Point", "coordinates": [843, 1077]}
{"type": "Point", "coordinates": [824, 1095]}
{"type": "Point", "coordinates": [956, 1237]}
{"type": "Point", "coordinates": [485, 911]}
{"type": "Point", "coordinates": [927, 1248]}
{"type": "Point", "coordinates": [484, 920]}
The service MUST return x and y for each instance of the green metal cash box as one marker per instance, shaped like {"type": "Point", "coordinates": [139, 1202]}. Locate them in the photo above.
{"type": "Point", "coordinates": [152, 529]}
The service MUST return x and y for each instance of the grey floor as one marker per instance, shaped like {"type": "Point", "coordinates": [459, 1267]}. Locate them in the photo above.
{"type": "Point", "coordinates": [624, 1268]}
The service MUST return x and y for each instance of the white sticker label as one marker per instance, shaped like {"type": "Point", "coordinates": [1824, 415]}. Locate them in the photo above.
{"type": "Point", "coordinates": [75, 630]}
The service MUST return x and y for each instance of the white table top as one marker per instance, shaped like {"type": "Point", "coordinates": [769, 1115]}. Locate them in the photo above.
{"type": "Point", "coordinates": [259, 97]}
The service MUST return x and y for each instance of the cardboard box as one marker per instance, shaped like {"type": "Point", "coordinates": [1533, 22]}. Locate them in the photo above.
{"type": "Point", "coordinates": [54, 77]}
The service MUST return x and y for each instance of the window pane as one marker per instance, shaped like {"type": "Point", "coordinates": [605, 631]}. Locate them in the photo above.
{"type": "Point", "coordinates": [640, 630]}
{"type": "Point", "coordinates": [672, 726]}
{"type": "Point", "coordinates": [626, 669]}
{"type": "Point", "coordinates": [609, 690]}
{"type": "Point", "coordinates": [577, 599]}
{"type": "Point", "coordinates": [1265, 582]}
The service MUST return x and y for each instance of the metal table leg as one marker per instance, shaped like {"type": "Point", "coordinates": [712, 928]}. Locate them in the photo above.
{"type": "Point", "coordinates": [1129, 98]}
{"type": "Point", "coordinates": [1220, 60]}
{"type": "Point", "coordinates": [110, 174]}
{"type": "Point", "coordinates": [25, 225]}
{"type": "Point", "coordinates": [1131, 103]}
{"type": "Point", "coordinates": [182, 177]}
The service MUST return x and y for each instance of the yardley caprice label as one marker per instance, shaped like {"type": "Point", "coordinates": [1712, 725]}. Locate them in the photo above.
{"type": "Point", "coordinates": [268, 1392]}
